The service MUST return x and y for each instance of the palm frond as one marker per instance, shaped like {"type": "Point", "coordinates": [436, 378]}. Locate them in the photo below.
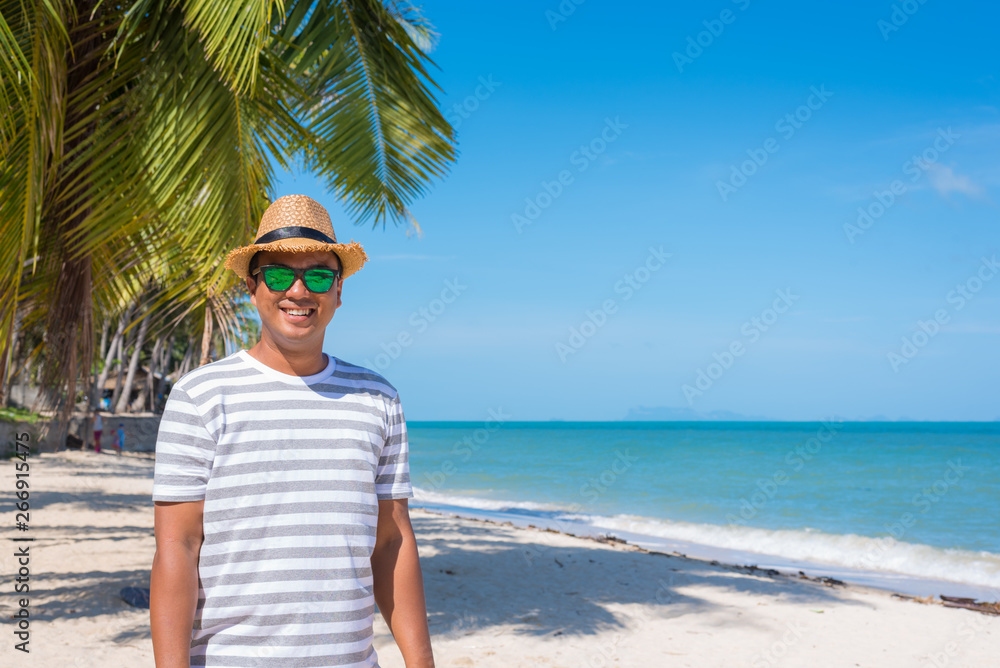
{"type": "Point", "coordinates": [374, 131]}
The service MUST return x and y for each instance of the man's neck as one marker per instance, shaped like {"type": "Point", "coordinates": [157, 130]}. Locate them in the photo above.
{"type": "Point", "coordinates": [293, 363]}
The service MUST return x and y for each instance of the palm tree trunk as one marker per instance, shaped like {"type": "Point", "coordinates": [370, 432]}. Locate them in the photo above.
{"type": "Point", "coordinates": [119, 370]}
{"type": "Point", "coordinates": [186, 362]}
{"type": "Point", "coordinates": [69, 328]}
{"type": "Point", "coordinates": [154, 363]}
{"type": "Point", "coordinates": [7, 375]}
{"type": "Point", "coordinates": [161, 384]}
{"type": "Point", "coordinates": [105, 326]}
{"type": "Point", "coordinates": [109, 356]}
{"type": "Point", "coordinates": [206, 336]}
{"type": "Point", "coordinates": [123, 400]}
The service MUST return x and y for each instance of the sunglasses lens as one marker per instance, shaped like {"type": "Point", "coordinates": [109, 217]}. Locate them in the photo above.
{"type": "Point", "coordinates": [319, 280]}
{"type": "Point", "coordinates": [278, 278]}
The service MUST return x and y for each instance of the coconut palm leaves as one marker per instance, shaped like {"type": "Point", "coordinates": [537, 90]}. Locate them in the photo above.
{"type": "Point", "coordinates": [138, 142]}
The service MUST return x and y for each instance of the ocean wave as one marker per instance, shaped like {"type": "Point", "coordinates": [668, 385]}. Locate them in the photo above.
{"type": "Point", "coordinates": [864, 553]}
{"type": "Point", "coordinates": [882, 554]}
{"type": "Point", "coordinates": [422, 495]}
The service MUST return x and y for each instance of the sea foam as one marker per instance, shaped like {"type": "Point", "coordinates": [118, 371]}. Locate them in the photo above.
{"type": "Point", "coordinates": [861, 553]}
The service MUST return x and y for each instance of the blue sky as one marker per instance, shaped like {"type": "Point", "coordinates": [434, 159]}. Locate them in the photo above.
{"type": "Point", "coordinates": [690, 209]}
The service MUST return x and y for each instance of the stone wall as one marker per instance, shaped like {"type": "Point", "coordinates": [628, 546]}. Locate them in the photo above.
{"type": "Point", "coordinates": [140, 433]}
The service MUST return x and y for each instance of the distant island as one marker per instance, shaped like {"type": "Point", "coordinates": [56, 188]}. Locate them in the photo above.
{"type": "Point", "coordinates": [671, 414]}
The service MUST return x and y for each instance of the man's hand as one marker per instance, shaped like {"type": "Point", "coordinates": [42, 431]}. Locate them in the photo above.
{"type": "Point", "coordinates": [399, 585]}
{"type": "Point", "coordinates": [173, 589]}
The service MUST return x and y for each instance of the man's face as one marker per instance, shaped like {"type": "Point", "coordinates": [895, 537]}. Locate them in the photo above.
{"type": "Point", "coordinates": [294, 320]}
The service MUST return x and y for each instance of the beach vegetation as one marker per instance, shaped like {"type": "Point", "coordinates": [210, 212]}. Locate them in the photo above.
{"type": "Point", "coordinates": [12, 415]}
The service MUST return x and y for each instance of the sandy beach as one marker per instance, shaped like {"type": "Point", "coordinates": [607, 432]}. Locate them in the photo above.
{"type": "Point", "coordinates": [497, 595]}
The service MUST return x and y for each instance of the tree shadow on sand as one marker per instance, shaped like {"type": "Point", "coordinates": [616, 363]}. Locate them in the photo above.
{"type": "Point", "coordinates": [479, 576]}
{"type": "Point", "coordinates": [92, 500]}
{"type": "Point", "coordinates": [84, 593]}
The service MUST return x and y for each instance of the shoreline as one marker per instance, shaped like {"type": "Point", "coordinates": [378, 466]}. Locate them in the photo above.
{"type": "Point", "coordinates": [887, 580]}
{"type": "Point", "coordinates": [898, 585]}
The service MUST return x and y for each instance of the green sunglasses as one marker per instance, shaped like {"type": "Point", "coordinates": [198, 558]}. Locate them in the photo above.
{"type": "Point", "coordinates": [279, 278]}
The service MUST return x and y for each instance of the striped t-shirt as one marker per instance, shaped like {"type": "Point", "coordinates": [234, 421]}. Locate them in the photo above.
{"type": "Point", "coordinates": [291, 470]}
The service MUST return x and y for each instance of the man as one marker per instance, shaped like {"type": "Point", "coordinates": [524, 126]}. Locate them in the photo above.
{"type": "Point", "coordinates": [282, 479]}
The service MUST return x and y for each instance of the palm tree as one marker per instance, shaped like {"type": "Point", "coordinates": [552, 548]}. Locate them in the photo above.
{"type": "Point", "coordinates": [139, 140]}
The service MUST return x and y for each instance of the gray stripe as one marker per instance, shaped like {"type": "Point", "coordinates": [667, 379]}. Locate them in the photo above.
{"type": "Point", "coordinates": [291, 618]}
{"type": "Point", "coordinates": [280, 597]}
{"type": "Point", "coordinates": [389, 460]}
{"type": "Point", "coordinates": [272, 424]}
{"type": "Point", "coordinates": [392, 478]}
{"type": "Point", "coordinates": [336, 385]}
{"type": "Point", "coordinates": [255, 383]}
{"type": "Point", "coordinates": [313, 552]}
{"type": "Point", "coordinates": [286, 575]}
{"type": "Point", "coordinates": [295, 530]}
{"type": "Point", "coordinates": [273, 445]}
{"type": "Point", "coordinates": [327, 387]}
{"type": "Point", "coordinates": [176, 417]}
{"type": "Point", "coordinates": [363, 656]}
{"type": "Point", "coordinates": [174, 438]}
{"type": "Point", "coordinates": [279, 486]}
{"type": "Point", "coordinates": [391, 496]}
{"type": "Point", "coordinates": [237, 371]}
{"type": "Point", "coordinates": [185, 459]}
{"type": "Point", "coordinates": [309, 640]}
{"type": "Point", "coordinates": [285, 465]}
{"type": "Point", "coordinates": [355, 372]}
{"type": "Point", "coordinates": [297, 508]}
{"type": "Point", "coordinates": [282, 405]}
{"type": "Point", "coordinates": [179, 480]}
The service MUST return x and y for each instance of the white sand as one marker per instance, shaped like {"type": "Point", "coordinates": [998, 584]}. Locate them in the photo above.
{"type": "Point", "coordinates": [497, 595]}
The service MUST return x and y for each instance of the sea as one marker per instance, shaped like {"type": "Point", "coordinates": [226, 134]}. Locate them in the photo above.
{"type": "Point", "coordinates": [913, 507]}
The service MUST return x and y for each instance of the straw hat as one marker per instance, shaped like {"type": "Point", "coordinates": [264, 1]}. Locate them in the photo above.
{"type": "Point", "coordinates": [299, 224]}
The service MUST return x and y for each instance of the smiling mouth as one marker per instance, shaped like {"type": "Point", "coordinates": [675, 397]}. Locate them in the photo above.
{"type": "Point", "coordinates": [298, 311]}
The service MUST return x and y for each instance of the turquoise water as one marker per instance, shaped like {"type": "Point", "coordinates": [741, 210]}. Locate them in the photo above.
{"type": "Point", "coordinates": [833, 492]}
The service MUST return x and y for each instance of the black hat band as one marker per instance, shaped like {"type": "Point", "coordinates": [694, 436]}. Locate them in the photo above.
{"type": "Point", "coordinates": [292, 233]}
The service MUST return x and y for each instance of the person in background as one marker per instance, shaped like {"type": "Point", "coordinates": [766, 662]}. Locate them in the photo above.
{"type": "Point", "coordinates": [120, 437]}
{"type": "Point", "coordinates": [98, 428]}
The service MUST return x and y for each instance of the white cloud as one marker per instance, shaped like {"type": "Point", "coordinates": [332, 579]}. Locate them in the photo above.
{"type": "Point", "coordinates": [945, 181]}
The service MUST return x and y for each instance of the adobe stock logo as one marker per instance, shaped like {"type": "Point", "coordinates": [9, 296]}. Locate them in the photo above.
{"type": "Point", "coordinates": [752, 329]}
{"type": "Point", "coordinates": [420, 320]}
{"type": "Point", "coordinates": [962, 294]}
{"type": "Point", "coordinates": [915, 167]}
{"type": "Point", "coordinates": [714, 28]}
{"type": "Point", "coordinates": [464, 109]}
{"type": "Point", "coordinates": [565, 9]}
{"type": "Point", "coordinates": [627, 287]}
{"type": "Point", "coordinates": [581, 158]}
{"type": "Point", "coordinates": [786, 126]}
{"type": "Point", "coordinates": [901, 13]}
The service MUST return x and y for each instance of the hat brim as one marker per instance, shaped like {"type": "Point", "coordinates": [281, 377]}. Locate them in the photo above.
{"type": "Point", "coordinates": [352, 256]}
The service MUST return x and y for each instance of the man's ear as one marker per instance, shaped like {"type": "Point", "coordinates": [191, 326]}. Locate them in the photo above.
{"type": "Point", "coordinates": [252, 289]}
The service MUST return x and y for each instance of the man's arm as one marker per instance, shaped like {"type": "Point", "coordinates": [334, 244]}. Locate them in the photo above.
{"type": "Point", "coordinates": [173, 588]}
{"type": "Point", "coordinates": [398, 584]}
